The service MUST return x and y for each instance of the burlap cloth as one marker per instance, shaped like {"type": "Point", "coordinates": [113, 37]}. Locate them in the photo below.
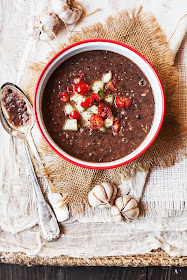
{"type": "Point", "coordinates": [142, 32]}
{"type": "Point", "coordinates": [139, 237]}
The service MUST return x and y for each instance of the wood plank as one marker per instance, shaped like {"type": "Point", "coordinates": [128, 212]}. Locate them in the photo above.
{"type": "Point", "coordinates": [167, 273]}
{"type": "Point", "coordinates": [160, 273]}
{"type": "Point", "coordinates": [15, 272]}
{"type": "Point", "coordinates": [106, 273]}
{"type": "Point", "coordinates": [179, 273]}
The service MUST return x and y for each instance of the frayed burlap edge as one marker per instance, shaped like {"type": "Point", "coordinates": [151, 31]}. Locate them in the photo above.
{"type": "Point", "coordinates": [145, 162]}
{"type": "Point", "coordinates": [158, 258]}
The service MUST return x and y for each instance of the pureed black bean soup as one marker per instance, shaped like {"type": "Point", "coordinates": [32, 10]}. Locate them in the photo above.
{"type": "Point", "coordinates": [98, 106]}
{"type": "Point", "coordinates": [15, 107]}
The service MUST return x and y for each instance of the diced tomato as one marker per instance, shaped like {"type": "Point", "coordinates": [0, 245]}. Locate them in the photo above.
{"type": "Point", "coordinates": [96, 122]}
{"type": "Point", "coordinates": [111, 85]}
{"type": "Point", "coordinates": [96, 96]}
{"type": "Point", "coordinates": [122, 101]}
{"type": "Point", "coordinates": [64, 96]}
{"type": "Point", "coordinates": [87, 103]}
{"type": "Point", "coordinates": [81, 88]}
{"type": "Point", "coordinates": [128, 103]}
{"type": "Point", "coordinates": [116, 126]}
{"type": "Point", "coordinates": [104, 111]}
{"type": "Point", "coordinates": [75, 115]}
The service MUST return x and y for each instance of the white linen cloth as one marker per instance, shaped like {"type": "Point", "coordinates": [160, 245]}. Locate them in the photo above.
{"type": "Point", "coordinates": [165, 189]}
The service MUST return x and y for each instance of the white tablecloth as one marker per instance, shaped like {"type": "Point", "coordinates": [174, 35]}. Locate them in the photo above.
{"type": "Point", "coordinates": [18, 209]}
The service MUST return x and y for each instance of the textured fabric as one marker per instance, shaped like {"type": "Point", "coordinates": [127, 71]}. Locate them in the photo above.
{"type": "Point", "coordinates": [165, 188]}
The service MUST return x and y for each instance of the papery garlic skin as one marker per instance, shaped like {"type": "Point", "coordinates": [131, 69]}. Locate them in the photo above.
{"type": "Point", "coordinates": [102, 195]}
{"type": "Point", "coordinates": [125, 207]}
{"type": "Point", "coordinates": [67, 10]}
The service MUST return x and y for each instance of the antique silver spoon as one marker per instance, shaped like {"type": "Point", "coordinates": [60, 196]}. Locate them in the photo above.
{"type": "Point", "coordinates": [47, 220]}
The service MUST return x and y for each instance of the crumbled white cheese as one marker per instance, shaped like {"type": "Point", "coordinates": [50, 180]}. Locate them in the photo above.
{"type": "Point", "coordinates": [70, 124]}
{"type": "Point", "coordinates": [97, 86]}
{"type": "Point", "coordinates": [93, 109]}
{"type": "Point", "coordinates": [86, 115]}
{"type": "Point", "coordinates": [68, 109]}
{"type": "Point", "coordinates": [78, 107]}
{"type": "Point", "coordinates": [75, 96]}
{"type": "Point", "coordinates": [107, 77]}
{"type": "Point", "coordinates": [109, 98]}
{"type": "Point", "coordinates": [108, 122]}
{"type": "Point", "coordinates": [78, 99]}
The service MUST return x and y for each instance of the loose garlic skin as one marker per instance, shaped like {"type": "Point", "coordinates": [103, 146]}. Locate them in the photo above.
{"type": "Point", "coordinates": [125, 207]}
{"type": "Point", "coordinates": [67, 10]}
{"type": "Point", "coordinates": [102, 195]}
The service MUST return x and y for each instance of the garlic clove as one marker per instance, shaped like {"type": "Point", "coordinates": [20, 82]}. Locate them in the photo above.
{"type": "Point", "coordinates": [126, 199]}
{"type": "Point", "coordinates": [116, 214]}
{"type": "Point", "coordinates": [99, 192]}
{"type": "Point", "coordinates": [115, 210]}
{"type": "Point", "coordinates": [114, 192]}
{"type": "Point", "coordinates": [109, 189]}
{"type": "Point", "coordinates": [132, 214]}
{"type": "Point", "coordinates": [93, 200]}
{"type": "Point", "coordinates": [118, 218]}
{"type": "Point", "coordinates": [119, 202]}
{"type": "Point", "coordinates": [130, 205]}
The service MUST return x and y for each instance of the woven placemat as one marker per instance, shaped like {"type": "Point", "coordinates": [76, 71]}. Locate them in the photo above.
{"type": "Point", "coordinates": [142, 32]}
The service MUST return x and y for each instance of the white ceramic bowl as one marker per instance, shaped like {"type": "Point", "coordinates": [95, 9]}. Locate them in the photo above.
{"type": "Point", "coordinates": [128, 52]}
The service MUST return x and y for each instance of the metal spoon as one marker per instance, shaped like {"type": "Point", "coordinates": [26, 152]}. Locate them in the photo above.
{"type": "Point", "coordinates": [47, 220]}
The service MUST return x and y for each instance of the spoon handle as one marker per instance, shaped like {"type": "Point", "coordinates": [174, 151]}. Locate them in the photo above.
{"type": "Point", "coordinates": [47, 220]}
{"type": "Point", "coordinates": [33, 148]}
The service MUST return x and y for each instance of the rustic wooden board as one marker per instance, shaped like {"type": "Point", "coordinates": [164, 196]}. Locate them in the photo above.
{"type": "Point", "coordinates": [16, 272]}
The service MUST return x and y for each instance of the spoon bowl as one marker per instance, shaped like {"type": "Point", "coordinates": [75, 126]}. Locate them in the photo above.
{"type": "Point", "coordinates": [20, 131]}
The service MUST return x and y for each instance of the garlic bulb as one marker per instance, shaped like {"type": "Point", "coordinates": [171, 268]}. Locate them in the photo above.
{"type": "Point", "coordinates": [44, 27]}
{"type": "Point", "coordinates": [67, 10]}
{"type": "Point", "coordinates": [102, 195]}
{"type": "Point", "coordinates": [125, 207]}
{"type": "Point", "coordinates": [49, 26]}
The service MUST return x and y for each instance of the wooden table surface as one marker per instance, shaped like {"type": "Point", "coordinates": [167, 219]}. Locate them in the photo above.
{"type": "Point", "coordinates": [16, 272]}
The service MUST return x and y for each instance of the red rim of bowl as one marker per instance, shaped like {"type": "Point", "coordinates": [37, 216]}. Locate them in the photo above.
{"type": "Point", "coordinates": [156, 132]}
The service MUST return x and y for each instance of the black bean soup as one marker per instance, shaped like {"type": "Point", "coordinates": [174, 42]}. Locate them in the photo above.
{"type": "Point", "coordinates": [98, 106]}
{"type": "Point", "coordinates": [15, 107]}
